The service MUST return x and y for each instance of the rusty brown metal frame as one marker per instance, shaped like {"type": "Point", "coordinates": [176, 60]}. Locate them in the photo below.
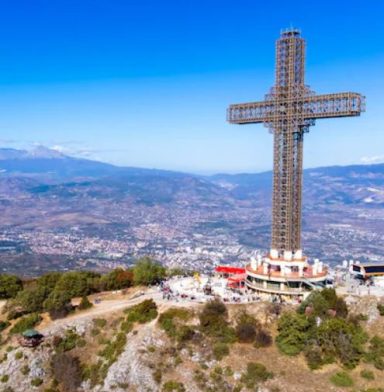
{"type": "Point", "coordinates": [288, 111]}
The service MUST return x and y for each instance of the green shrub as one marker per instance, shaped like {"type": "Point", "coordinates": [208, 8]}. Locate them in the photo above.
{"type": "Point", "coordinates": [246, 328]}
{"type": "Point", "coordinates": [341, 340]}
{"type": "Point", "coordinates": [10, 285]}
{"type": "Point", "coordinates": [228, 371]}
{"type": "Point", "coordinates": [262, 339]}
{"type": "Point", "coordinates": [58, 303]}
{"type": "Point", "coordinates": [99, 322]}
{"type": "Point", "coordinates": [126, 326]}
{"type": "Point", "coordinates": [256, 373]}
{"type": "Point", "coordinates": [4, 378]}
{"type": "Point", "coordinates": [173, 386]}
{"type": "Point", "coordinates": [68, 342]}
{"type": "Point", "coordinates": [294, 332]}
{"type": "Point", "coordinates": [95, 331]}
{"type": "Point", "coordinates": [18, 355]}
{"type": "Point", "coordinates": [171, 321]}
{"type": "Point", "coordinates": [380, 308]}
{"type": "Point", "coordinates": [213, 322]}
{"type": "Point", "coordinates": [31, 299]}
{"type": "Point", "coordinates": [314, 357]}
{"type": "Point", "coordinates": [4, 325]}
{"type": "Point", "coordinates": [375, 353]}
{"type": "Point", "coordinates": [36, 382]}
{"type": "Point", "coordinates": [157, 375]}
{"type": "Point", "coordinates": [367, 374]}
{"type": "Point", "coordinates": [114, 348]}
{"type": "Point", "coordinates": [147, 272]}
{"type": "Point", "coordinates": [320, 302]}
{"type": "Point", "coordinates": [85, 303]}
{"type": "Point", "coordinates": [25, 370]}
{"type": "Point", "coordinates": [117, 279]}
{"type": "Point", "coordinates": [25, 323]}
{"type": "Point", "coordinates": [142, 312]}
{"type": "Point", "coordinates": [220, 350]}
{"type": "Point", "coordinates": [77, 283]}
{"type": "Point", "coordinates": [342, 379]}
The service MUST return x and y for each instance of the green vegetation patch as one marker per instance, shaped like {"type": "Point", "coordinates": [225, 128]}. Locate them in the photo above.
{"type": "Point", "coordinates": [322, 330]}
{"type": "Point", "coordinates": [367, 374]}
{"type": "Point", "coordinates": [70, 340]}
{"type": "Point", "coordinates": [85, 303]}
{"type": "Point", "coordinates": [173, 321]}
{"type": "Point", "coordinates": [25, 323]}
{"type": "Point", "coordinates": [255, 374]}
{"type": "Point", "coordinates": [147, 272]}
{"type": "Point", "coordinates": [173, 386]}
{"type": "Point", "coordinates": [342, 379]}
{"type": "Point", "coordinates": [143, 312]}
{"type": "Point", "coordinates": [4, 325]}
{"type": "Point", "coordinates": [214, 322]}
{"type": "Point", "coordinates": [10, 285]}
{"type": "Point", "coordinates": [375, 353]}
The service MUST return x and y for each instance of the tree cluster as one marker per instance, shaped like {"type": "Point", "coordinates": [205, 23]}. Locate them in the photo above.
{"type": "Point", "coordinates": [53, 291]}
{"type": "Point", "coordinates": [322, 330]}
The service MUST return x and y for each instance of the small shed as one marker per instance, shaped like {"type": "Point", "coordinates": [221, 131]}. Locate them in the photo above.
{"type": "Point", "coordinates": [30, 338]}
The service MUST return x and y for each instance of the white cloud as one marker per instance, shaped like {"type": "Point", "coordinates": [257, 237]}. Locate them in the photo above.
{"type": "Point", "coordinates": [372, 159]}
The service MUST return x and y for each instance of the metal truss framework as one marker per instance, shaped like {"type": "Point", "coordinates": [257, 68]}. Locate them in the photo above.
{"type": "Point", "coordinates": [288, 111]}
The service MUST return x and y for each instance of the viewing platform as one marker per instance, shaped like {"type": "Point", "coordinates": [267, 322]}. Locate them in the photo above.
{"type": "Point", "coordinates": [278, 276]}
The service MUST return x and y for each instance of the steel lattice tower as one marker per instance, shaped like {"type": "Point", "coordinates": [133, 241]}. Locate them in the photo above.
{"type": "Point", "coordinates": [288, 111]}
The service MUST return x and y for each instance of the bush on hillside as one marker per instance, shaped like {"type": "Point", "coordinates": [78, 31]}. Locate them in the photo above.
{"type": "Point", "coordinates": [321, 302]}
{"type": "Point", "coordinates": [85, 304]}
{"type": "Point", "coordinates": [294, 330]}
{"type": "Point", "coordinates": [77, 283]}
{"type": "Point", "coordinates": [341, 340]}
{"type": "Point", "coordinates": [142, 312]}
{"type": "Point", "coordinates": [67, 343]}
{"type": "Point", "coordinates": [58, 303]}
{"type": "Point", "coordinates": [173, 386]}
{"type": "Point", "coordinates": [117, 279]}
{"type": "Point", "coordinates": [48, 281]}
{"type": "Point", "coordinates": [25, 323]}
{"type": "Point", "coordinates": [4, 325]}
{"type": "Point", "coordinates": [220, 350]}
{"type": "Point", "coordinates": [375, 353]}
{"type": "Point", "coordinates": [342, 379]}
{"type": "Point", "coordinates": [214, 322]}
{"type": "Point", "coordinates": [10, 285]}
{"type": "Point", "coordinates": [171, 321]}
{"type": "Point", "coordinates": [30, 299]}
{"type": "Point", "coordinates": [256, 373]}
{"type": "Point", "coordinates": [147, 272]}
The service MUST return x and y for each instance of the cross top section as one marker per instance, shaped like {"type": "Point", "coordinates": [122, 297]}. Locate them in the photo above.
{"type": "Point", "coordinates": [289, 109]}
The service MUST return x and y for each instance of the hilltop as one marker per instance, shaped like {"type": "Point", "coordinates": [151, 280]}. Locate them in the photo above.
{"type": "Point", "coordinates": [135, 340]}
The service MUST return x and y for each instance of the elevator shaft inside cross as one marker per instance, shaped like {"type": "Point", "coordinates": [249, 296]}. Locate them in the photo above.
{"type": "Point", "coordinates": [288, 111]}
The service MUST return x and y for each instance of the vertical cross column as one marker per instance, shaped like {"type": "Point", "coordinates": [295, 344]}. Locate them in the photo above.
{"type": "Point", "coordinates": [288, 145]}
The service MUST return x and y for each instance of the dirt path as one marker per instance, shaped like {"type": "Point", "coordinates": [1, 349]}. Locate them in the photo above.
{"type": "Point", "coordinates": [109, 306]}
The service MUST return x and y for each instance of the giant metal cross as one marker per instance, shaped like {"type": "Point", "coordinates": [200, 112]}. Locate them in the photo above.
{"type": "Point", "coordinates": [288, 111]}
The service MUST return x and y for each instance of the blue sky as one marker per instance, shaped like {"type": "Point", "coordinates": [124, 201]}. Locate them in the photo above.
{"type": "Point", "coordinates": [146, 83]}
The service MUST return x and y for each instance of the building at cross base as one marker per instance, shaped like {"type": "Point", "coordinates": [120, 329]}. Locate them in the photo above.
{"type": "Point", "coordinates": [288, 111]}
{"type": "Point", "coordinates": [296, 277]}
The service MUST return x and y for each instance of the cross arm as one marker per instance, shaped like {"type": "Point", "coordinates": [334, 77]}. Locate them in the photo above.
{"type": "Point", "coordinates": [333, 105]}
{"type": "Point", "coordinates": [253, 112]}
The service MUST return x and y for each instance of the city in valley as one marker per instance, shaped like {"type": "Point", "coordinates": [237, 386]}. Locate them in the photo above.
{"type": "Point", "coordinates": [82, 221]}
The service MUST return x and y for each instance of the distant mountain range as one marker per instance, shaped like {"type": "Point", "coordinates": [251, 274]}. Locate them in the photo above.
{"type": "Point", "coordinates": [346, 184]}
